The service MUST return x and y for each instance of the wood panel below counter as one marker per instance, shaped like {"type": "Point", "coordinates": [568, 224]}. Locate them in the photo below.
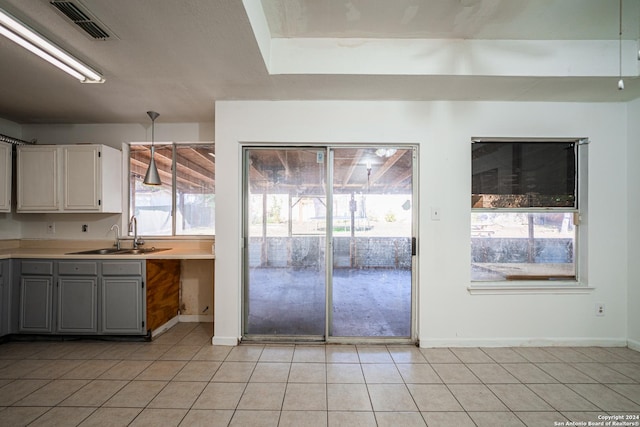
{"type": "Point", "coordinates": [163, 291]}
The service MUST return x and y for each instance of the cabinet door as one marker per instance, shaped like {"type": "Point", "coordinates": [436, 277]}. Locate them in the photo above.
{"type": "Point", "coordinates": [37, 169]}
{"type": "Point", "coordinates": [35, 304]}
{"type": "Point", "coordinates": [5, 177]}
{"type": "Point", "coordinates": [81, 177]}
{"type": "Point", "coordinates": [3, 309]}
{"type": "Point", "coordinates": [77, 304]}
{"type": "Point", "coordinates": [122, 305]}
{"type": "Point", "coordinates": [5, 296]}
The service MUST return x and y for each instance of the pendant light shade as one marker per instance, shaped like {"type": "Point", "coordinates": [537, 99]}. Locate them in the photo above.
{"type": "Point", "coordinates": [152, 177]}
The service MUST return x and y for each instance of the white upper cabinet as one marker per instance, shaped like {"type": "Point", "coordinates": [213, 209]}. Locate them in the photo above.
{"type": "Point", "coordinates": [69, 178]}
{"type": "Point", "coordinates": [5, 177]}
{"type": "Point", "coordinates": [37, 178]}
{"type": "Point", "coordinates": [92, 178]}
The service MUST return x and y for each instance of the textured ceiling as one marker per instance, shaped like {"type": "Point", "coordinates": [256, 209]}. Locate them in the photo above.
{"type": "Point", "coordinates": [179, 57]}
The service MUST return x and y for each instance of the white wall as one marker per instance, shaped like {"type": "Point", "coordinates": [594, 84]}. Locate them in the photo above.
{"type": "Point", "coordinates": [10, 228]}
{"type": "Point", "coordinates": [633, 242]}
{"type": "Point", "coordinates": [448, 313]}
{"type": "Point", "coordinates": [197, 300]}
{"type": "Point", "coordinates": [8, 128]}
{"type": "Point", "coordinates": [68, 226]}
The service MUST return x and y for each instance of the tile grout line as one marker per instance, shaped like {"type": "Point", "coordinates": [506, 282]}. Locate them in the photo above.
{"type": "Point", "coordinates": [404, 381]}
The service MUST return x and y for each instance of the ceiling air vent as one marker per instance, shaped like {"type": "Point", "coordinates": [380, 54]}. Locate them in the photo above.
{"type": "Point", "coordinates": [81, 18]}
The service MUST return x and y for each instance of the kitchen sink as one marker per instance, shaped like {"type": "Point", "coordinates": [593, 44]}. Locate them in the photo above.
{"type": "Point", "coordinates": [106, 251]}
{"type": "Point", "coordinates": [114, 251]}
{"type": "Point", "coordinates": [141, 251]}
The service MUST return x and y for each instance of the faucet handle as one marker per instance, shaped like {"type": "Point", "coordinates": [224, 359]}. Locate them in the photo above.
{"type": "Point", "coordinates": [140, 241]}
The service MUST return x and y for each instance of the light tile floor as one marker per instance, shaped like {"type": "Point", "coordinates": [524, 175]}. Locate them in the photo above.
{"type": "Point", "coordinates": [181, 379]}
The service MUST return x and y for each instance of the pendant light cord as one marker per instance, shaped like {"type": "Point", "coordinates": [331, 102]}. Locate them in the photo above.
{"type": "Point", "coordinates": [620, 41]}
{"type": "Point", "coordinates": [620, 81]}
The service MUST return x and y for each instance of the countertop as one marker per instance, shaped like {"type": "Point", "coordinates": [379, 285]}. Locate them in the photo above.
{"type": "Point", "coordinates": [62, 249]}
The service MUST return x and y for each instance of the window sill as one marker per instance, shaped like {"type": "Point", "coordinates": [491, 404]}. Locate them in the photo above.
{"type": "Point", "coordinates": [529, 288]}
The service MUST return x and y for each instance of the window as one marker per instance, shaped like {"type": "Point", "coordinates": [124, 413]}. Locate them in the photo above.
{"type": "Point", "coordinates": [524, 210]}
{"type": "Point", "coordinates": [187, 171]}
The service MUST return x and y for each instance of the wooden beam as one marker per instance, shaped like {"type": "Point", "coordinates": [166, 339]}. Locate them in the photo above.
{"type": "Point", "coordinates": [349, 172]}
{"type": "Point", "coordinates": [255, 174]}
{"type": "Point", "coordinates": [388, 164]}
{"type": "Point", "coordinates": [191, 175]}
{"type": "Point", "coordinates": [404, 175]}
{"type": "Point", "coordinates": [205, 158]}
{"type": "Point", "coordinates": [284, 162]}
{"type": "Point", "coordinates": [195, 171]}
{"type": "Point", "coordinates": [140, 168]}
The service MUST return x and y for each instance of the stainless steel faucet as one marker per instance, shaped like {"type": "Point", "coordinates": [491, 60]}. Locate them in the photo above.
{"type": "Point", "coordinates": [133, 227]}
{"type": "Point", "coordinates": [117, 228]}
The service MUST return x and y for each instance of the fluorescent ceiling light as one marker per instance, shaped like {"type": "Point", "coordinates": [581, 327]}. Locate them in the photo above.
{"type": "Point", "coordinates": [22, 35]}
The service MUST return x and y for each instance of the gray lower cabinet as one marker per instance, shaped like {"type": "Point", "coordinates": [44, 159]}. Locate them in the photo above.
{"type": "Point", "coordinates": [36, 293]}
{"type": "Point", "coordinates": [3, 308]}
{"type": "Point", "coordinates": [123, 297]}
{"type": "Point", "coordinates": [77, 297]}
{"type": "Point", "coordinates": [81, 297]}
{"type": "Point", "coordinates": [35, 304]}
{"type": "Point", "coordinates": [5, 280]}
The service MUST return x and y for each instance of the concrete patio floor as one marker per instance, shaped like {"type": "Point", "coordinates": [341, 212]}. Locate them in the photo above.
{"type": "Point", "coordinates": [366, 302]}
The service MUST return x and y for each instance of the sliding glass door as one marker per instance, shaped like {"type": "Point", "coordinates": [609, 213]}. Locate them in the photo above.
{"type": "Point", "coordinates": [285, 267]}
{"type": "Point", "coordinates": [372, 242]}
{"type": "Point", "coordinates": [328, 242]}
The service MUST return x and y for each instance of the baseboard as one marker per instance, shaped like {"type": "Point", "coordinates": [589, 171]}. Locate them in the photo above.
{"type": "Point", "coordinates": [633, 345]}
{"type": "Point", "coordinates": [171, 323]}
{"type": "Point", "coordinates": [526, 342]}
{"type": "Point", "coordinates": [204, 318]}
{"type": "Point", "coordinates": [233, 341]}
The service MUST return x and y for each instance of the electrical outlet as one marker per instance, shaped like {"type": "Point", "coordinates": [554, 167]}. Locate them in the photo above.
{"type": "Point", "coordinates": [85, 228]}
{"type": "Point", "coordinates": [599, 309]}
{"type": "Point", "coordinates": [51, 228]}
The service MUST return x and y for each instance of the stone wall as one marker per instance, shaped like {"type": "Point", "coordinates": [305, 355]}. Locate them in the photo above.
{"type": "Point", "coordinates": [516, 250]}
{"type": "Point", "coordinates": [309, 252]}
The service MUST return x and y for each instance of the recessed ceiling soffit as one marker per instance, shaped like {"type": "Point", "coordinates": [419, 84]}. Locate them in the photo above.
{"type": "Point", "coordinates": [493, 38]}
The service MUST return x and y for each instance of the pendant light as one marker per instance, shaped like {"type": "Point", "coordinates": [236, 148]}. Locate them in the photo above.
{"type": "Point", "coordinates": [152, 176]}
